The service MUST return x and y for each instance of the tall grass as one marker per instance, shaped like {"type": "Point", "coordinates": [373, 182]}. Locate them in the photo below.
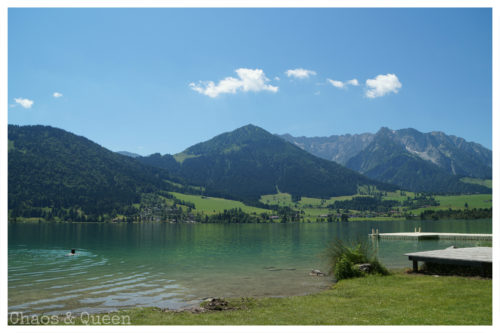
{"type": "Point", "coordinates": [344, 257]}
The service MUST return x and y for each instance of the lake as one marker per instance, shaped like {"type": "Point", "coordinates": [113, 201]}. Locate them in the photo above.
{"type": "Point", "coordinates": [177, 265]}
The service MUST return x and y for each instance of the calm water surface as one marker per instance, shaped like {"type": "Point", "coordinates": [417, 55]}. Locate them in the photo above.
{"type": "Point", "coordinates": [177, 265]}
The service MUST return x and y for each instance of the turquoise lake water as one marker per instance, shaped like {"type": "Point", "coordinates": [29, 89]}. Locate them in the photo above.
{"type": "Point", "coordinates": [177, 265]}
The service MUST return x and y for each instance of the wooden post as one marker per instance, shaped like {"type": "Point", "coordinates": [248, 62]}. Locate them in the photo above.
{"type": "Point", "coordinates": [415, 266]}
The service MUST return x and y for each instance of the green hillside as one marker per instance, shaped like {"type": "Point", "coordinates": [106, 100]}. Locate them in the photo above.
{"type": "Point", "coordinates": [246, 175]}
{"type": "Point", "coordinates": [56, 173]}
{"type": "Point", "coordinates": [483, 182]}
{"type": "Point", "coordinates": [209, 205]}
{"type": "Point", "coordinates": [249, 162]}
{"type": "Point", "coordinates": [402, 203]}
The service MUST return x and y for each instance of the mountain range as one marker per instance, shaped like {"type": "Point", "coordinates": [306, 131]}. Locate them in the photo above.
{"type": "Point", "coordinates": [249, 162]}
{"type": "Point", "coordinates": [50, 167]}
{"type": "Point", "coordinates": [431, 162]}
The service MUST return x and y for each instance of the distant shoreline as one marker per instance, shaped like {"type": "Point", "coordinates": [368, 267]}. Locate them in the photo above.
{"type": "Point", "coordinates": [294, 222]}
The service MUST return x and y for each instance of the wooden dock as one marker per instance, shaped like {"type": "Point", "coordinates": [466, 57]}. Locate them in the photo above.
{"type": "Point", "coordinates": [467, 256]}
{"type": "Point", "coordinates": [431, 235]}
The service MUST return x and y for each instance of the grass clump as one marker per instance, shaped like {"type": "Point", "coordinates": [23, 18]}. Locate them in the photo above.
{"type": "Point", "coordinates": [344, 269]}
{"type": "Point", "coordinates": [353, 260]}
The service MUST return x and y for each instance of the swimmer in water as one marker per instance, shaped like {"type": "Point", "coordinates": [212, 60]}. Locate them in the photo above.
{"type": "Point", "coordinates": [72, 253]}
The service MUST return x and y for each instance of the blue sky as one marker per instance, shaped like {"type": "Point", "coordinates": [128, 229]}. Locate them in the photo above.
{"type": "Point", "coordinates": [160, 80]}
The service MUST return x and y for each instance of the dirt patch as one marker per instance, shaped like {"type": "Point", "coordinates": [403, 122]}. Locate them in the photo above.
{"type": "Point", "coordinates": [217, 304]}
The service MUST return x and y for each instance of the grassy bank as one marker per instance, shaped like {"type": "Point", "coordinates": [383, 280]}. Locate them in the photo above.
{"type": "Point", "coordinates": [211, 205]}
{"type": "Point", "coordinates": [459, 201]}
{"type": "Point", "coordinates": [314, 209]}
{"type": "Point", "coordinates": [398, 299]}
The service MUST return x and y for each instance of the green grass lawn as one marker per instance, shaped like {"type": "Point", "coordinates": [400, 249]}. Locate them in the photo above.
{"type": "Point", "coordinates": [398, 195]}
{"type": "Point", "coordinates": [314, 208]}
{"type": "Point", "coordinates": [458, 202]}
{"type": "Point", "coordinates": [376, 218]}
{"type": "Point", "coordinates": [180, 157]}
{"type": "Point", "coordinates": [285, 199]}
{"type": "Point", "coordinates": [210, 205]}
{"type": "Point", "coordinates": [342, 198]}
{"type": "Point", "coordinates": [478, 181]}
{"type": "Point", "coordinates": [316, 212]}
{"type": "Point", "coordinates": [280, 199]}
{"type": "Point", "coordinates": [398, 299]}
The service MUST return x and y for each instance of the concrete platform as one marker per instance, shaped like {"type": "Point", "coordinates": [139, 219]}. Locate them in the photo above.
{"type": "Point", "coordinates": [432, 235]}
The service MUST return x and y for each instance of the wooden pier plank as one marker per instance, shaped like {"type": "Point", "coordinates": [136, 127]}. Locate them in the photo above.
{"type": "Point", "coordinates": [468, 256]}
{"type": "Point", "coordinates": [471, 254]}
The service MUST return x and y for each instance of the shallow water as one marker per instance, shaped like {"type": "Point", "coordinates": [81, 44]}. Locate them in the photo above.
{"type": "Point", "coordinates": [177, 265]}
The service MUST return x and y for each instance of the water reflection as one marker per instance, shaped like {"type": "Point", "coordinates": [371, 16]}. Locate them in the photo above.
{"type": "Point", "coordinates": [175, 265]}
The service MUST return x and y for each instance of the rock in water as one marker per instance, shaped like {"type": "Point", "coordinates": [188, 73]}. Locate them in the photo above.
{"type": "Point", "coordinates": [316, 272]}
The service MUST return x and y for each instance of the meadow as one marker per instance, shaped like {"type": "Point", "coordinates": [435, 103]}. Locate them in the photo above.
{"type": "Point", "coordinates": [315, 208]}
{"type": "Point", "coordinates": [397, 299]}
{"type": "Point", "coordinates": [483, 182]}
{"type": "Point", "coordinates": [210, 205]}
{"type": "Point", "coordinates": [459, 202]}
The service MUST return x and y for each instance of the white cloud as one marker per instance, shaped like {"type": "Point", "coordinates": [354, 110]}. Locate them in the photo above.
{"type": "Point", "coordinates": [299, 73]}
{"type": "Point", "coordinates": [248, 80]}
{"type": "Point", "coordinates": [353, 82]}
{"type": "Point", "coordinates": [382, 85]}
{"type": "Point", "coordinates": [340, 84]}
{"type": "Point", "coordinates": [24, 102]}
{"type": "Point", "coordinates": [57, 94]}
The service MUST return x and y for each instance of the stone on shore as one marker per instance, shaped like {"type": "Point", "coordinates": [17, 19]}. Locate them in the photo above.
{"type": "Point", "coordinates": [316, 272]}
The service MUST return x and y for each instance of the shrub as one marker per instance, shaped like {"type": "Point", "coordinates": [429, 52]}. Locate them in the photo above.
{"type": "Point", "coordinates": [344, 269]}
{"type": "Point", "coordinates": [378, 268]}
{"type": "Point", "coordinates": [343, 258]}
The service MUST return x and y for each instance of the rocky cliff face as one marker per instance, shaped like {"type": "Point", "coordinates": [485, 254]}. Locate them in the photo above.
{"type": "Point", "coordinates": [337, 148]}
{"type": "Point", "coordinates": [427, 162]}
{"type": "Point", "coordinates": [453, 154]}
